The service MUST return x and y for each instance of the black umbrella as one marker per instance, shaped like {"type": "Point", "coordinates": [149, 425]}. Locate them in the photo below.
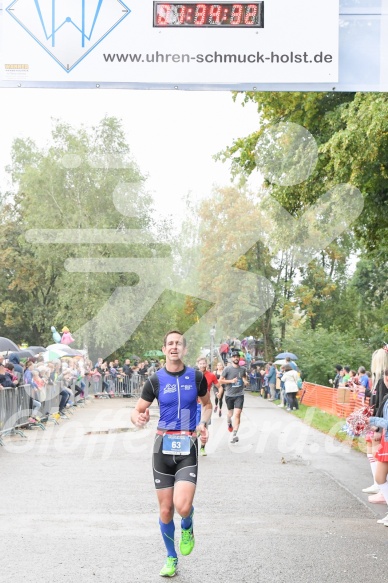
{"type": "Point", "coordinates": [36, 349]}
{"type": "Point", "coordinates": [7, 345]}
{"type": "Point", "coordinates": [258, 362]}
{"type": "Point", "coordinates": [25, 353]}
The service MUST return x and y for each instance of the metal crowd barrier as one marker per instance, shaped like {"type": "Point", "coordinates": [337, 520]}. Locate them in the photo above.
{"type": "Point", "coordinates": [16, 405]}
{"type": "Point", "coordinates": [121, 386]}
{"type": "Point", "coordinates": [14, 410]}
{"type": "Point", "coordinates": [49, 399]}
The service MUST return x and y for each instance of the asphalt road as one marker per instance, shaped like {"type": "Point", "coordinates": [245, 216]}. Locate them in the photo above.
{"type": "Point", "coordinates": [77, 503]}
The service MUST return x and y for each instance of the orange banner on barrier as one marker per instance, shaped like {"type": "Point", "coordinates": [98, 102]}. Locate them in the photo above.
{"type": "Point", "coordinates": [340, 402]}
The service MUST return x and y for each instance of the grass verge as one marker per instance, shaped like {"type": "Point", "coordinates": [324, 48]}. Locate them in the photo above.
{"type": "Point", "coordinates": [327, 423]}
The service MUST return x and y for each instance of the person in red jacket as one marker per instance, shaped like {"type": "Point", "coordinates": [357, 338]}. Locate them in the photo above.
{"type": "Point", "coordinates": [224, 351]}
{"type": "Point", "coordinates": [211, 380]}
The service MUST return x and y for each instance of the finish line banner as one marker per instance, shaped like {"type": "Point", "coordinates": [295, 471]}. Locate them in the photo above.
{"type": "Point", "coordinates": [149, 42]}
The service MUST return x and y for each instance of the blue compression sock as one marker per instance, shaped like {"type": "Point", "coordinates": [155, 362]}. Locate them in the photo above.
{"type": "Point", "coordinates": [187, 522]}
{"type": "Point", "coordinates": [168, 531]}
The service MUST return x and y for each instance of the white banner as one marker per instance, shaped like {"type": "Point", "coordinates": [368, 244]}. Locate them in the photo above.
{"type": "Point", "coordinates": [147, 42]}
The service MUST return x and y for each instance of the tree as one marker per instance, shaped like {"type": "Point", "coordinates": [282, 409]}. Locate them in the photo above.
{"type": "Point", "coordinates": [351, 132]}
{"type": "Point", "coordinates": [319, 351]}
{"type": "Point", "coordinates": [80, 182]}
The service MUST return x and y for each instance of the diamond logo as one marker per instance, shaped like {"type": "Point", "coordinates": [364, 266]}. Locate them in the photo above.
{"type": "Point", "coordinates": [68, 30]}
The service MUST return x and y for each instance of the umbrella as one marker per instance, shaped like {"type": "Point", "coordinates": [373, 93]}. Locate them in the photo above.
{"type": "Point", "coordinates": [25, 353]}
{"type": "Point", "coordinates": [54, 354]}
{"type": "Point", "coordinates": [153, 353]}
{"type": "Point", "coordinates": [7, 345]}
{"type": "Point", "coordinates": [67, 351]}
{"type": "Point", "coordinates": [135, 357]}
{"type": "Point", "coordinates": [283, 361]}
{"type": "Point", "coordinates": [36, 349]}
{"type": "Point", "coordinates": [258, 362]}
{"type": "Point", "coordinates": [287, 355]}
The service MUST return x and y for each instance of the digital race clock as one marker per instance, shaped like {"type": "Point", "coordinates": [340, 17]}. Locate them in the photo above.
{"type": "Point", "coordinates": [204, 14]}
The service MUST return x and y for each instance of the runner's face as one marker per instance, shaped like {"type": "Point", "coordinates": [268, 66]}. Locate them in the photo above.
{"type": "Point", "coordinates": [174, 349]}
{"type": "Point", "coordinates": [202, 365]}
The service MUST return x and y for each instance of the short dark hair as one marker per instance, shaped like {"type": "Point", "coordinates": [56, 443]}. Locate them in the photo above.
{"type": "Point", "coordinates": [173, 332]}
{"type": "Point", "coordinates": [338, 367]}
{"type": "Point", "coordinates": [362, 369]}
{"type": "Point", "coordinates": [347, 368]}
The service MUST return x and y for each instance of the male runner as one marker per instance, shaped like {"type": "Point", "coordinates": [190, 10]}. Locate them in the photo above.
{"type": "Point", "coordinates": [175, 457]}
{"type": "Point", "coordinates": [235, 378]}
{"type": "Point", "coordinates": [211, 379]}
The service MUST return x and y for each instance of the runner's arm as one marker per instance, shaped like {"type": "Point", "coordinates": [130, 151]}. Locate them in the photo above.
{"type": "Point", "coordinates": [205, 417]}
{"type": "Point", "coordinates": [245, 378]}
{"type": "Point", "coordinates": [204, 398]}
{"type": "Point", "coordinates": [141, 413]}
{"type": "Point", "coordinates": [220, 390]}
{"type": "Point", "coordinates": [223, 381]}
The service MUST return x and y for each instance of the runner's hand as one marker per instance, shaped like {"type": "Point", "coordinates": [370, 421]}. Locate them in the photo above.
{"type": "Point", "coordinates": [143, 418]}
{"type": "Point", "coordinates": [203, 433]}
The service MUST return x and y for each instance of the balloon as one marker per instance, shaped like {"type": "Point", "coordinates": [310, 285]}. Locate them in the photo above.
{"type": "Point", "coordinates": [56, 335]}
{"type": "Point", "coordinates": [67, 338]}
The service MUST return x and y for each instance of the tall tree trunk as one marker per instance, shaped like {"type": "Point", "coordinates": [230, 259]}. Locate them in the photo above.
{"type": "Point", "coordinates": [267, 335]}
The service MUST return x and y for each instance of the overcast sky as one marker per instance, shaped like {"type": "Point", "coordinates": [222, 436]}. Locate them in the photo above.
{"type": "Point", "coordinates": [172, 134]}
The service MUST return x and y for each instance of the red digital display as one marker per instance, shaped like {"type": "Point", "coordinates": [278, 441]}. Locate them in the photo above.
{"type": "Point", "coordinates": [200, 15]}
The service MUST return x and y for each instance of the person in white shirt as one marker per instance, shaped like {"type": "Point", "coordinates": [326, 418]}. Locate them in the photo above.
{"type": "Point", "coordinates": [290, 379]}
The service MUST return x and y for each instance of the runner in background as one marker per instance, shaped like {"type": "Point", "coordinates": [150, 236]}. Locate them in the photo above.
{"type": "Point", "coordinates": [235, 378]}
{"type": "Point", "coordinates": [218, 401]}
{"type": "Point", "coordinates": [211, 379]}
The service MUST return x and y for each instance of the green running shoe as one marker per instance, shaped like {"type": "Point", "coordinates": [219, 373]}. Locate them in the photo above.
{"type": "Point", "coordinates": [187, 541]}
{"type": "Point", "coordinates": [170, 567]}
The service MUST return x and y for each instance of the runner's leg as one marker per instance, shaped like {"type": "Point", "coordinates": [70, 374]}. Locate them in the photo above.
{"type": "Point", "coordinates": [230, 407]}
{"type": "Point", "coordinates": [183, 501]}
{"type": "Point", "coordinates": [237, 419]}
{"type": "Point", "coordinates": [166, 519]}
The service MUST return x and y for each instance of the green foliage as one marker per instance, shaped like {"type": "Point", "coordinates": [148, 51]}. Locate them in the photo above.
{"type": "Point", "coordinates": [320, 350]}
{"type": "Point", "coordinates": [71, 184]}
{"type": "Point", "coordinates": [351, 130]}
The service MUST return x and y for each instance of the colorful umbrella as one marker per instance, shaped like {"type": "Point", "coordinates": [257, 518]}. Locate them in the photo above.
{"type": "Point", "coordinates": [153, 353]}
{"type": "Point", "coordinates": [50, 355]}
{"type": "Point", "coordinates": [286, 355]}
{"type": "Point", "coordinates": [65, 349]}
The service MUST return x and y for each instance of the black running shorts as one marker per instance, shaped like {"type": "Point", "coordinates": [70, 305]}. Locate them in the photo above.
{"type": "Point", "coordinates": [234, 402]}
{"type": "Point", "coordinates": [169, 469]}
